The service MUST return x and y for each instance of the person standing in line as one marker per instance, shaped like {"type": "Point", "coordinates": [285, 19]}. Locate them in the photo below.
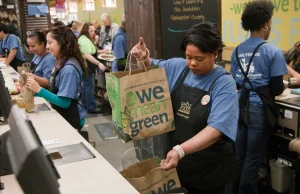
{"type": "Point", "coordinates": [119, 47]}
{"type": "Point", "coordinates": [89, 50]}
{"type": "Point", "coordinates": [76, 27]}
{"type": "Point", "coordinates": [107, 33]}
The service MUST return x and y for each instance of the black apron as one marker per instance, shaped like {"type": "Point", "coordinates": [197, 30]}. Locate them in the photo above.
{"type": "Point", "coordinates": [209, 168]}
{"type": "Point", "coordinates": [91, 66]}
{"type": "Point", "coordinates": [71, 114]}
{"type": "Point", "coordinates": [264, 93]}
{"type": "Point", "coordinates": [33, 65]}
{"type": "Point", "coordinates": [15, 63]}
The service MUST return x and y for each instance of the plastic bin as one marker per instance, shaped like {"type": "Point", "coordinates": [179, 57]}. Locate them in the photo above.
{"type": "Point", "coordinates": [281, 176]}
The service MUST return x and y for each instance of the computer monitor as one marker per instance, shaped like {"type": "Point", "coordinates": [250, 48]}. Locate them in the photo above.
{"type": "Point", "coordinates": [5, 103]}
{"type": "Point", "coordinates": [30, 162]}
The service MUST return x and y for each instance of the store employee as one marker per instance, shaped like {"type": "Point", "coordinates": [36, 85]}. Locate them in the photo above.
{"type": "Point", "coordinates": [11, 48]}
{"type": "Point", "coordinates": [205, 106]}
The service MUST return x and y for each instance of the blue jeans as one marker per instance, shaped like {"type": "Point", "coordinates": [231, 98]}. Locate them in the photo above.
{"type": "Point", "coordinates": [250, 145]}
{"type": "Point", "coordinates": [88, 98]}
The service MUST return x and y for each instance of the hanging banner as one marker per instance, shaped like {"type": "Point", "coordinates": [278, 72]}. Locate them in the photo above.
{"type": "Point", "coordinates": [52, 11]}
{"type": "Point", "coordinates": [89, 5]}
{"type": "Point", "coordinates": [285, 23]}
{"type": "Point", "coordinates": [73, 7]}
{"type": "Point", "coordinates": [109, 3]}
{"type": "Point", "coordinates": [60, 6]}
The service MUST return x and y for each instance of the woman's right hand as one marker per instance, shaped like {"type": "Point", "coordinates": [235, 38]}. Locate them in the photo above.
{"type": "Point", "coordinates": [101, 67]}
{"type": "Point", "coordinates": [139, 51]}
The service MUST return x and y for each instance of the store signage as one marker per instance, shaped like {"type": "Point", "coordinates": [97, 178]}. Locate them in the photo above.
{"type": "Point", "coordinates": [285, 23]}
{"type": "Point", "coordinates": [109, 3]}
{"type": "Point", "coordinates": [73, 7]}
{"type": "Point", "coordinates": [89, 5]}
{"type": "Point", "coordinates": [52, 11]}
{"type": "Point", "coordinates": [10, 7]}
{"type": "Point", "coordinates": [36, 1]}
{"type": "Point", "coordinates": [60, 6]}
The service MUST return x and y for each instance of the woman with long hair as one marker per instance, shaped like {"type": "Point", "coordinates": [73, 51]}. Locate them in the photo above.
{"type": "Point", "coordinates": [88, 49]}
{"type": "Point", "coordinates": [65, 81]}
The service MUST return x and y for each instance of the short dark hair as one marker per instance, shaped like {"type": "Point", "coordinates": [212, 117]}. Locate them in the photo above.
{"type": "Point", "coordinates": [256, 14]}
{"type": "Point", "coordinates": [58, 23]}
{"type": "Point", "coordinates": [11, 29]}
{"type": "Point", "coordinates": [204, 36]}
{"type": "Point", "coordinates": [3, 28]}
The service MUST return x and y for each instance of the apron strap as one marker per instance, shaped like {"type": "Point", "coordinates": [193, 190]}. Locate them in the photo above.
{"type": "Point", "coordinates": [185, 73]}
{"type": "Point", "coordinates": [34, 67]}
{"type": "Point", "coordinates": [246, 79]}
{"type": "Point", "coordinates": [77, 70]}
{"type": "Point", "coordinates": [213, 84]}
{"type": "Point", "coordinates": [5, 50]}
{"type": "Point", "coordinates": [56, 71]}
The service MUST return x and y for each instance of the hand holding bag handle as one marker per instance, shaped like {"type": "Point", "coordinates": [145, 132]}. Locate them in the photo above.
{"type": "Point", "coordinates": [129, 62]}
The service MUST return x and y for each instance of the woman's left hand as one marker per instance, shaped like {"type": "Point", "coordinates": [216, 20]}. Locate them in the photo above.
{"type": "Point", "coordinates": [171, 161]}
{"type": "Point", "coordinates": [33, 85]}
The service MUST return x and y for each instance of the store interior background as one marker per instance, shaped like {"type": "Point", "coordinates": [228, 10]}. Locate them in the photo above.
{"type": "Point", "coordinates": [147, 19]}
{"type": "Point", "coordinates": [88, 16]}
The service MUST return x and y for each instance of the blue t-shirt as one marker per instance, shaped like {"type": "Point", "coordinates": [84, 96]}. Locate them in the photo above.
{"type": "Point", "coordinates": [119, 46]}
{"type": "Point", "coordinates": [45, 65]}
{"type": "Point", "coordinates": [12, 42]}
{"type": "Point", "coordinates": [268, 62]}
{"type": "Point", "coordinates": [223, 106]}
{"type": "Point", "coordinates": [68, 82]}
{"type": "Point", "coordinates": [77, 33]}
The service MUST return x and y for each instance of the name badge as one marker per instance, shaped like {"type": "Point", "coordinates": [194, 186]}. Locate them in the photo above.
{"type": "Point", "coordinates": [205, 100]}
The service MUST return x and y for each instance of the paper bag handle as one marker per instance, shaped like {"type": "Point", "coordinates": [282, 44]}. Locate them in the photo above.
{"type": "Point", "coordinates": [129, 62]}
{"type": "Point", "coordinates": [157, 168]}
{"type": "Point", "coordinates": [122, 157]}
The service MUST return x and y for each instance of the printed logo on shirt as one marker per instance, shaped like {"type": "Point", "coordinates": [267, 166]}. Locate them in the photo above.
{"type": "Point", "coordinates": [245, 64]}
{"type": "Point", "coordinates": [184, 110]}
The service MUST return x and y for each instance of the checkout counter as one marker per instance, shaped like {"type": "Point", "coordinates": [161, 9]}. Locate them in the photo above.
{"type": "Point", "coordinates": [84, 176]}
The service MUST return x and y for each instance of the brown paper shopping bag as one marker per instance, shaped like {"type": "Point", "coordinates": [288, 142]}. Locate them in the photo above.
{"type": "Point", "coordinates": [27, 94]}
{"type": "Point", "coordinates": [141, 103]}
{"type": "Point", "coordinates": [24, 68]}
{"type": "Point", "coordinates": [148, 178]}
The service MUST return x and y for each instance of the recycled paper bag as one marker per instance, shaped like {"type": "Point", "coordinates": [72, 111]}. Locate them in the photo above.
{"type": "Point", "coordinates": [147, 177]}
{"type": "Point", "coordinates": [25, 67]}
{"type": "Point", "coordinates": [27, 94]}
{"type": "Point", "coordinates": [141, 103]}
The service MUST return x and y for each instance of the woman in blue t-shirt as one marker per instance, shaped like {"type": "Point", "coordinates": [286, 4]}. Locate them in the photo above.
{"type": "Point", "coordinates": [258, 68]}
{"type": "Point", "coordinates": [65, 81]}
{"type": "Point", "coordinates": [201, 146]}
{"type": "Point", "coordinates": [42, 62]}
